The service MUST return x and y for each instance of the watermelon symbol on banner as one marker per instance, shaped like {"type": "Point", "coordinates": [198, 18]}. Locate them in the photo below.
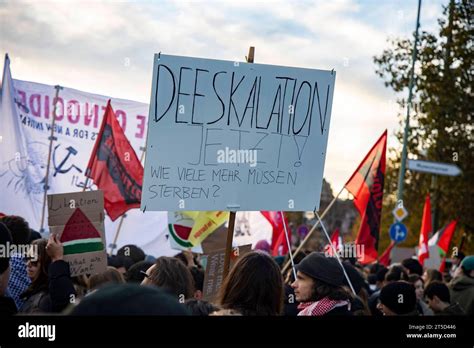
{"type": "Point", "coordinates": [80, 236]}
{"type": "Point", "coordinates": [180, 234]}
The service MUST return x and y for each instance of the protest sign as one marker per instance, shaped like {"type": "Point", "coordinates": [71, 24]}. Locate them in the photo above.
{"type": "Point", "coordinates": [215, 269]}
{"type": "Point", "coordinates": [78, 220]}
{"type": "Point", "coordinates": [235, 136]}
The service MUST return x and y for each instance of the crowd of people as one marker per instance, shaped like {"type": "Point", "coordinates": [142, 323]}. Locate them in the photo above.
{"type": "Point", "coordinates": [138, 284]}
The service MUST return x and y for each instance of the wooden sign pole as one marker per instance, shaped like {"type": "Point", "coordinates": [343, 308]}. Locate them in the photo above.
{"type": "Point", "coordinates": [51, 139]}
{"type": "Point", "coordinates": [230, 230]}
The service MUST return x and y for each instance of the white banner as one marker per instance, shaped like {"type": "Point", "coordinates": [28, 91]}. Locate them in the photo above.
{"type": "Point", "coordinates": [79, 115]}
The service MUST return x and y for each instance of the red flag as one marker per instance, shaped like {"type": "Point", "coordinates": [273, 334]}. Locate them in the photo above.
{"type": "Point", "coordinates": [115, 168]}
{"type": "Point", "coordinates": [278, 237]}
{"type": "Point", "coordinates": [366, 185]}
{"type": "Point", "coordinates": [385, 257]}
{"type": "Point", "coordinates": [426, 229]}
{"type": "Point", "coordinates": [335, 241]}
{"type": "Point", "coordinates": [335, 238]}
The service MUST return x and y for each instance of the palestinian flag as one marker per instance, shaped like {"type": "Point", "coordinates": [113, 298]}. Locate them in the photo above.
{"type": "Point", "coordinates": [441, 241]}
{"type": "Point", "coordinates": [80, 236]}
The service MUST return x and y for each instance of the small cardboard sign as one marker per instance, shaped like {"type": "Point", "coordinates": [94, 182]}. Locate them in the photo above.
{"type": "Point", "coordinates": [215, 269]}
{"type": "Point", "coordinates": [77, 219]}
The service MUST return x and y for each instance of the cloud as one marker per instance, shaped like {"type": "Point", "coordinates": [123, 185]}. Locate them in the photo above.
{"type": "Point", "coordinates": [107, 48]}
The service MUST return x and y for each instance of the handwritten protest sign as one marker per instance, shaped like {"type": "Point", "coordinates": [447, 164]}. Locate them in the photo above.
{"type": "Point", "coordinates": [78, 220]}
{"type": "Point", "coordinates": [235, 136]}
{"type": "Point", "coordinates": [215, 269]}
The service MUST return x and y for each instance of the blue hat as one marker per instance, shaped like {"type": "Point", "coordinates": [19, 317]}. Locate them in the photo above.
{"type": "Point", "coordinates": [468, 263]}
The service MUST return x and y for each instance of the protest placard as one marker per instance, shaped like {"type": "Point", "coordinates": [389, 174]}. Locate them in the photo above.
{"type": "Point", "coordinates": [77, 219]}
{"type": "Point", "coordinates": [234, 136]}
{"type": "Point", "coordinates": [213, 276]}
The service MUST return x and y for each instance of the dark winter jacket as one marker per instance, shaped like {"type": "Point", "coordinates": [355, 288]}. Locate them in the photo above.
{"type": "Point", "coordinates": [51, 297]}
{"type": "Point", "coordinates": [452, 309]}
{"type": "Point", "coordinates": [462, 292]}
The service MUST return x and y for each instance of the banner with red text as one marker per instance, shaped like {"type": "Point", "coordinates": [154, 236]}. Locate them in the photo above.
{"type": "Point", "coordinates": [79, 115]}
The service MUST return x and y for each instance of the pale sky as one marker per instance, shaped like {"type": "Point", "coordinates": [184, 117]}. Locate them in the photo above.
{"type": "Point", "coordinates": [107, 47]}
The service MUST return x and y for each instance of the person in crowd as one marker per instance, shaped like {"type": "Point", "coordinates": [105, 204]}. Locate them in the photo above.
{"type": "Point", "coordinates": [264, 246]}
{"type": "Point", "coordinates": [136, 272]}
{"type": "Point", "coordinates": [375, 268]}
{"type": "Point", "coordinates": [133, 252]}
{"type": "Point", "coordinates": [254, 286]}
{"type": "Point", "coordinates": [109, 276]}
{"type": "Point", "coordinates": [19, 280]}
{"type": "Point", "coordinates": [380, 278]}
{"type": "Point", "coordinates": [439, 299]}
{"type": "Point", "coordinates": [81, 285]}
{"type": "Point", "coordinates": [198, 281]}
{"type": "Point", "coordinates": [188, 258]}
{"type": "Point", "coordinates": [121, 263]}
{"type": "Point", "coordinates": [7, 305]}
{"type": "Point", "coordinates": [431, 275]}
{"type": "Point", "coordinates": [36, 296]}
{"type": "Point", "coordinates": [51, 288]}
{"type": "Point", "coordinates": [359, 303]}
{"type": "Point", "coordinates": [418, 283]}
{"type": "Point", "coordinates": [290, 302]}
{"type": "Point", "coordinates": [34, 235]}
{"type": "Point", "coordinates": [319, 287]}
{"type": "Point", "coordinates": [395, 273]}
{"type": "Point", "coordinates": [372, 278]}
{"type": "Point", "coordinates": [398, 298]}
{"type": "Point", "coordinates": [462, 285]}
{"type": "Point", "coordinates": [200, 307]}
{"type": "Point", "coordinates": [61, 286]}
{"type": "Point", "coordinates": [172, 275]}
{"type": "Point", "coordinates": [456, 262]}
{"type": "Point", "coordinates": [412, 266]}
{"type": "Point", "coordinates": [129, 299]}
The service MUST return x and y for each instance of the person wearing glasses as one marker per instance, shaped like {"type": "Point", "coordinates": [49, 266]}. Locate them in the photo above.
{"type": "Point", "coordinates": [36, 297]}
{"type": "Point", "coordinates": [171, 275]}
{"type": "Point", "coordinates": [51, 288]}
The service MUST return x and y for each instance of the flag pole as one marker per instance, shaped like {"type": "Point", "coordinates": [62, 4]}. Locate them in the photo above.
{"type": "Point", "coordinates": [312, 230]}
{"type": "Point", "coordinates": [230, 229]}
{"type": "Point", "coordinates": [86, 183]}
{"type": "Point", "coordinates": [289, 244]}
{"type": "Point", "coordinates": [51, 139]}
{"type": "Point", "coordinates": [335, 253]}
{"type": "Point", "coordinates": [228, 243]}
{"type": "Point", "coordinates": [114, 244]}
